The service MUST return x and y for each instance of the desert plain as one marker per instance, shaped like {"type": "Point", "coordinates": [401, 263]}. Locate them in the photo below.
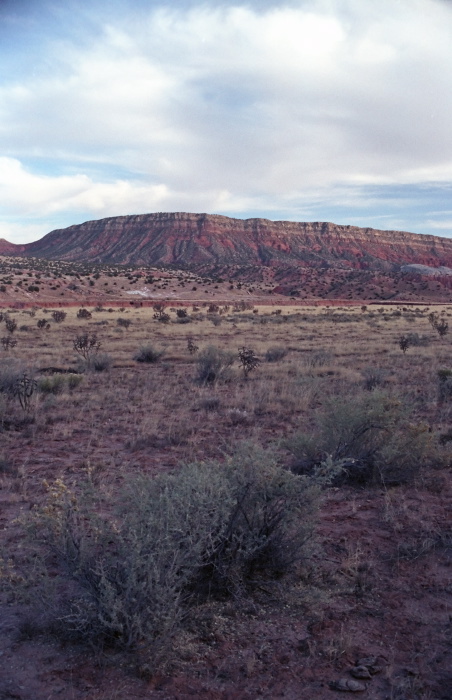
{"type": "Point", "coordinates": [360, 392]}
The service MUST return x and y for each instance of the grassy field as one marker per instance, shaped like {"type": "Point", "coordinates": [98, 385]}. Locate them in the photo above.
{"type": "Point", "coordinates": [362, 394]}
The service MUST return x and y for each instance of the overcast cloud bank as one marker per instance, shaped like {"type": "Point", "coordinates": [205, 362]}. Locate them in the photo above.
{"type": "Point", "coordinates": [321, 110]}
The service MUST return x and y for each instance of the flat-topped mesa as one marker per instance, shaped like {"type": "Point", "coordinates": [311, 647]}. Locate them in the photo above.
{"type": "Point", "coordinates": [186, 239]}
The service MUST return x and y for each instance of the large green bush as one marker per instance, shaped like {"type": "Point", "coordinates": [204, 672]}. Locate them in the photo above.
{"type": "Point", "coordinates": [369, 436]}
{"type": "Point", "coordinates": [209, 530]}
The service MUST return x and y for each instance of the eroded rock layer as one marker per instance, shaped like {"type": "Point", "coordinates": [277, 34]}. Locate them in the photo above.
{"type": "Point", "coordinates": [183, 239]}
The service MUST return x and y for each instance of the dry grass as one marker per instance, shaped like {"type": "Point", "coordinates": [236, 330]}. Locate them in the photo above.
{"type": "Point", "coordinates": [329, 352]}
{"type": "Point", "coordinates": [148, 418]}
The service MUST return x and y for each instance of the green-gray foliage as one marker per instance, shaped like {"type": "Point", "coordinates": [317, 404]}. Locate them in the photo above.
{"type": "Point", "coordinates": [73, 381]}
{"type": "Point", "coordinates": [370, 435]}
{"type": "Point", "coordinates": [214, 365]}
{"type": "Point", "coordinates": [444, 385]}
{"type": "Point", "coordinates": [10, 374]}
{"type": "Point", "coordinates": [211, 529]}
{"type": "Point", "coordinates": [100, 362]}
{"type": "Point", "coordinates": [275, 353]}
{"type": "Point", "coordinates": [148, 354]}
{"type": "Point", "coordinates": [51, 385]}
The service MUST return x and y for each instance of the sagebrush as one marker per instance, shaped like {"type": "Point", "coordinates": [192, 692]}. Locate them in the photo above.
{"type": "Point", "coordinates": [210, 530]}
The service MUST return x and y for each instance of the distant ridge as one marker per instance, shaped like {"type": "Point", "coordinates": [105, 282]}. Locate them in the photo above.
{"type": "Point", "coordinates": [193, 240]}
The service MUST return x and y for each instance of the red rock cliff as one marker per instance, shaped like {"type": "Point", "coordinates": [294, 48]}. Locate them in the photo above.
{"type": "Point", "coordinates": [193, 239]}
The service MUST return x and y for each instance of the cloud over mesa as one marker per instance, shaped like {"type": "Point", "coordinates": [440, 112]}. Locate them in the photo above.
{"type": "Point", "coordinates": [287, 111]}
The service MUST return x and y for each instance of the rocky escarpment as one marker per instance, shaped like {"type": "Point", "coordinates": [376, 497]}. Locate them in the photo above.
{"type": "Point", "coordinates": [183, 239]}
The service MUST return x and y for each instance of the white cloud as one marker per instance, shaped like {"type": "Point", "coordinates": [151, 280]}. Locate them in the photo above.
{"type": "Point", "coordinates": [231, 107]}
{"type": "Point", "coordinates": [27, 193]}
{"type": "Point", "coordinates": [15, 232]}
{"type": "Point", "coordinates": [446, 224]}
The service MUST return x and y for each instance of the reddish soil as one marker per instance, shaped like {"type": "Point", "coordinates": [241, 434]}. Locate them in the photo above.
{"type": "Point", "coordinates": [379, 586]}
{"type": "Point", "coordinates": [25, 283]}
{"type": "Point", "coordinates": [386, 568]}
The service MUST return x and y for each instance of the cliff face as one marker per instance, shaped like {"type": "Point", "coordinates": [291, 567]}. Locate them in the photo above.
{"type": "Point", "coordinates": [202, 239]}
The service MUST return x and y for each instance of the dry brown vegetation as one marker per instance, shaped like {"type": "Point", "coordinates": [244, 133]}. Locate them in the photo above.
{"type": "Point", "coordinates": [28, 282]}
{"type": "Point", "coordinates": [25, 282]}
{"type": "Point", "coordinates": [333, 391]}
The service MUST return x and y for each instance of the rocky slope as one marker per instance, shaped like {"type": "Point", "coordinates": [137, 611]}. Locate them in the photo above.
{"type": "Point", "coordinates": [183, 239]}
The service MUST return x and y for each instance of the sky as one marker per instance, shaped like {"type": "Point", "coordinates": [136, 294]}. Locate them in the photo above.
{"type": "Point", "coordinates": [305, 110]}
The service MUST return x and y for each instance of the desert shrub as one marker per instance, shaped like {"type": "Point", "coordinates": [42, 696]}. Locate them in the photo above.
{"type": "Point", "coordinates": [319, 358]}
{"type": "Point", "coordinates": [160, 312]}
{"type": "Point", "coordinates": [404, 343]}
{"type": "Point", "coordinates": [210, 403]}
{"type": "Point", "coordinates": [10, 374]}
{"type": "Point", "coordinates": [123, 322]}
{"type": "Point", "coordinates": [8, 342]}
{"type": "Point", "coordinates": [86, 345]}
{"type": "Point", "coordinates": [238, 416]}
{"type": "Point", "coordinates": [270, 519]}
{"type": "Point", "coordinates": [43, 323]}
{"type": "Point", "coordinates": [100, 362]}
{"type": "Point", "coordinates": [51, 385]}
{"type": "Point", "coordinates": [444, 385]}
{"type": "Point", "coordinates": [59, 316]}
{"type": "Point", "coordinates": [214, 365]}
{"type": "Point", "coordinates": [439, 324]}
{"type": "Point", "coordinates": [433, 318]}
{"type": "Point", "coordinates": [10, 324]}
{"type": "Point", "coordinates": [248, 359]}
{"type": "Point", "coordinates": [211, 530]}
{"type": "Point", "coordinates": [373, 377]}
{"type": "Point", "coordinates": [418, 341]}
{"type": "Point", "coordinates": [147, 353]}
{"type": "Point", "coordinates": [446, 437]}
{"type": "Point", "coordinates": [191, 346]}
{"type": "Point", "coordinates": [442, 328]}
{"type": "Point", "coordinates": [7, 466]}
{"type": "Point", "coordinates": [369, 435]}
{"type": "Point", "coordinates": [181, 313]}
{"type": "Point", "coordinates": [84, 314]}
{"type": "Point", "coordinates": [246, 306]}
{"type": "Point", "coordinates": [275, 353]}
{"type": "Point", "coordinates": [73, 381]}
{"type": "Point", "coordinates": [24, 389]}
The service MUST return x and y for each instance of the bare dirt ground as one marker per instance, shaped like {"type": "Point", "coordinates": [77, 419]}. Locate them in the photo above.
{"type": "Point", "coordinates": [378, 585]}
